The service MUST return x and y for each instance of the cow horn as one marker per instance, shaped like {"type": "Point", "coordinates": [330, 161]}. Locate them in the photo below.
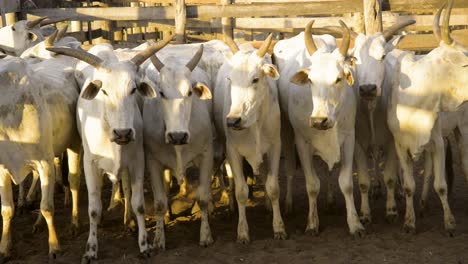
{"type": "Point", "coordinates": [62, 32]}
{"type": "Point", "coordinates": [2, 55]}
{"type": "Point", "coordinates": [33, 23]}
{"type": "Point", "coordinates": [309, 40]}
{"type": "Point", "coordinates": [388, 34]}
{"type": "Point", "coordinates": [148, 52]}
{"type": "Point", "coordinates": [156, 62]}
{"type": "Point", "coordinates": [7, 50]}
{"type": "Point", "coordinates": [264, 48]}
{"type": "Point", "coordinates": [82, 55]}
{"type": "Point", "coordinates": [445, 24]}
{"type": "Point", "coordinates": [52, 21]}
{"type": "Point", "coordinates": [231, 44]}
{"type": "Point", "coordinates": [346, 39]}
{"type": "Point", "coordinates": [196, 58]}
{"type": "Point", "coordinates": [49, 41]}
{"type": "Point", "coordinates": [435, 24]}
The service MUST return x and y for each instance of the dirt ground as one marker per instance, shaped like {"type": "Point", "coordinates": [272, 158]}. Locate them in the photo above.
{"type": "Point", "coordinates": [384, 243]}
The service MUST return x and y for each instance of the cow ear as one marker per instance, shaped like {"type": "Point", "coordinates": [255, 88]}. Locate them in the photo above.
{"type": "Point", "coordinates": [349, 77]}
{"type": "Point", "coordinates": [201, 90]}
{"type": "Point", "coordinates": [270, 70]}
{"type": "Point", "coordinates": [351, 61]}
{"type": "Point", "coordinates": [91, 90]}
{"type": "Point", "coordinates": [301, 77]}
{"type": "Point", "coordinates": [146, 90]}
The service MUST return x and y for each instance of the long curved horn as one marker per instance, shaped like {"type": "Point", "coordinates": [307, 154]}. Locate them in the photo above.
{"type": "Point", "coordinates": [62, 32]}
{"type": "Point", "coordinates": [266, 44]}
{"type": "Point", "coordinates": [82, 55]}
{"type": "Point", "coordinates": [445, 24]}
{"type": "Point", "coordinates": [195, 59]}
{"type": "Point", "coordinates": [308, 39]}
{"type": "Point", "coordinates": [346, 39]}
{"type": "Point", "coordinates": [31, 24]}
{"type": "Point", "coordinates": [49, 41]}
{"type": "Point", "coordinates": [388, 34]}
{"type": "Point", "coordinates": [148, 52]}
{"type": "Point", "coordinates": [231, 44]}
{"type": "Point", "coordinates": [52, 21]}
{"type": "Point", "coordinates": [157, 63]}
{"type": "Point", "coordinates": [435, 24]}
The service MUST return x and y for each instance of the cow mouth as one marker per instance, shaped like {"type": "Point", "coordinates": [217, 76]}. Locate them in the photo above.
{"type": "Point", "coordinates": [121, 141]}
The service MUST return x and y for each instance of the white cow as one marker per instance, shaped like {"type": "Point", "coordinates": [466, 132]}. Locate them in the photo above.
{"type": "Point", "coordinates": [178, 134]}
{"type": "Point", "coordinates": [26, 140]}
{"type": "Point", "coordinates": [372, 133]}
{"type": "Point", "coordinates": [321, 109]}
{"type": "Point", "coordinates": [16, 38]}
{"type": "Point", "coordinates": [420, 89]}
{"type": "Point", "coordinates": [111, 128]}
{"type": "Point", "coordinates": [247, 113]}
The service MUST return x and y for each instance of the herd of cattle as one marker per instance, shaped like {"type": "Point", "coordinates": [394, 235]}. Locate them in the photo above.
{"type": "Point", "coordinates": [152, 109]}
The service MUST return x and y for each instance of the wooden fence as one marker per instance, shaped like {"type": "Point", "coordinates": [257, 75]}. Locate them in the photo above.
{"type": "Point", "coordinates": [127, 23]}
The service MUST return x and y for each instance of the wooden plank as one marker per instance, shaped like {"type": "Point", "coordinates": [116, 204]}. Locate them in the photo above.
{"type": "Point", "coordinates": [423, 22]}
{"type": "Point", "coordinates": [227, 21]}
{"type": "Point", "coordinates": [10, 6]}
{"type": "Point", "coordinates": [82, 36]}
{"type": "Point", "coordinates": [296, 22]}
{"type": "Point", "coordinates": [206, 11]}
{"type": "Point", "coordinates": [414, 5]}
{"type": "Point", "coordinates": [180, 19]}
{"type": "Point", "coordinates": [372, 16]}
{"type": "Point", "coordinates": [187, 2]}
{"type": "Point", "coordinates": [427, 42]}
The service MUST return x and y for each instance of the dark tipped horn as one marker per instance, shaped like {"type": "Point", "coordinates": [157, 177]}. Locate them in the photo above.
{"type": "Point", "coordinates": [346, 39]}
{"type": "Point", "coordinates": [388, 34]}
{"type": "Point", "coordinates": [49, 41]}
{"type": "Point", "coordinates": [151, 50]}
{"type": "Point", "coordinates": [266, 44]}
{"type": "Point", "coordinates": [82, 55]}
{"type": "Point", "coordinates": [62, 32]}
{"type": "Point", "coordinates": [33, 23]}
{"type": "Point", "coordinates": [445, 24]}
{"type": "Point", "coordinates": [231, 44]}
{"type": "Point", "coordinates": [156, 62]}
{"type": "Point", "coordinates": [52, 21]}
{"type": "Point", "coordinates": [195, 59]}
{"type": "Point", "coordinates": [308, 39]}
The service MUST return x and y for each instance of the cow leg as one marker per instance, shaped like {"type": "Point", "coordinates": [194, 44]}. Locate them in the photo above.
{"type": "Point", "coordinates": [231, 186]}
{"type": "Point", "coordinates": [364, 182]}
{"type": "Point", "coordinates": [345, 181]}
{"type": "Point", "coordinates": [428, 165]}
{"type": "Point", "coordinates": [31, 196]}
{"type": "Point", "coordinates": [204, 196]}
{"type": "Point", "coordinates": [390, 178]}
{"type": "Point", "coordinates": [440, 184]}
{"type": "Point", "coordinates": [8, 209]}
{"type": "Point", "coordinates": [47, 176]}
{"type": "Point", "coordinates": [408, 184]}
{"type": "Point", "coordinates": [242, 193]}
{"type": "Point", "coordinates": [155, 170]}
{"type": "Point", "coordinates": [312, 184]}
{"type": "Point", "coordinates": [94, 185]}
{"type": "Point", "coordinates": [138, 203]}
{"type": "Point", "coordinates": [273, 190]}
{"type": "Point", "coordinates": [331, 204]}
{"type": "Point", "coordinates": [74, 172]}
{"type": "Point", "coordinates": [59, 180]}
{"type": "Point", "coordinates": [116, 196]}
{"type": "Point", "coordinates": [289, 150]}
{"type": "Point", "coordinates": [126, 186]}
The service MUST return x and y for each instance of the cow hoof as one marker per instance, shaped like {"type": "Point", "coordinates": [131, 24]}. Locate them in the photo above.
{"type": "Point", "coordinates": [4, 258]}
{"type": "Point", "coordinates": [280, 236]}
{"type": "Point", "coordinates": [407, 229]}
{"type": "Point", "coordinates": [145, 254]}
{"type": "Point", "coordinates": [158, 244]}
{"type": "Point", "coordinates": [52, 257]}
{"type": "Point", "coordinates": [86, 259]}
{"type": "Point", "coordinates": [359, 233]}
{"type": "Point", "coordinates": [207, 242]}
{"type": "Point", "coordinates": [391, 218]}
{"type": "Point", "coordinates": [366, 220]}
{"type": "Point", "coordinates": [74, 230]}
{"type": "Point", "coordinates": [130, 227]}
{"type": "Point", "coordinates": [244, 240]}
{"type": "Point", "coordinates": [312, 231]}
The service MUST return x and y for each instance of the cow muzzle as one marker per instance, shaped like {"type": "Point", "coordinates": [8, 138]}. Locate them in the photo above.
{"type": "Point", "coordinates": [368, 91]}
{"type": "Point", "coordinates": [178, 138]}
{"type": "Point", "coordinates": [320, 123]}
{"type": "Point", "coordinates": [122, 136]}
{"type": "Point", "coordinates": [234, 123]}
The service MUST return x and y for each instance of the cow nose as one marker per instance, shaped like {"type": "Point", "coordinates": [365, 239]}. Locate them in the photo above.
{"type": "Point", "coordinates": [178, 138]}
{"type": "Point", "coordinates": [321, 123]}
{"type": "Point", "coordinates": [233, 122]}
{"type": "Point", "coordinates": [123, 136]}
{"type": "Point", "coordinates": [368, 91]}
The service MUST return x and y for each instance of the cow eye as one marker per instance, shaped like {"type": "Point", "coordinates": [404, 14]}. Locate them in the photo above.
{"type": "Point", "coordinates": [383, 57]}
{"type": "Point", "coordinates": [133, 91]}
{"type": "Point", "coordinates": [104, 92]}
{"type": "Point", "coordinates": [338, 80]}
{"type": "Point", "coordinates": [13, 28]}
{"type": "Point", "coordinates": [255, 80]}
{"type": "Point", "coordinates": [162, 94]}
{"type": "Point", "coordinates": [189, 93]}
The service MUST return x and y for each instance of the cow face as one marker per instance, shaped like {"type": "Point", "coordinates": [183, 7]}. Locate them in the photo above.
{"type": "Point", "coordinates": [249, 87]}
{"type": "Point", "coordinates": [177, 92]}
{"type": "Point", "coordinates": [327, 76]}
{"type": "Point", "coordinates": [116, 87]}
{"type": "Point", "coordinates": [21, 35]}
{"type": "Point", "coordinates": [370, 54]}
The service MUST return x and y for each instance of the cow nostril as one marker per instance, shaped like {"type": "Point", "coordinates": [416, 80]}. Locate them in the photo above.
{"type": "Point", "coordinates": [233, 121]}
{"type": "Point", "coordinates": [178, 138]}
{"type": "Point", "coordinates": [372, 88]}
{"type": "Point", "coordinates": [324, 122]}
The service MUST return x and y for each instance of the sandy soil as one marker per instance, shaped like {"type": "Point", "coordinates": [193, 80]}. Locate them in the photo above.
{"type": "Point", "coordinates": [384, 243]}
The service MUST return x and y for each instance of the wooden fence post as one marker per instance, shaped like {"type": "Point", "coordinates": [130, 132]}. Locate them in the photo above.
{"type": "Point", "coordinates": [106, 28]}
{"type": "Point", "coordinates": [180, 20]}
{"type": "Point", "coordinates": [151, 28]}
{"type": "Point", "coordinates": [226, 22]}
{"type": "Point", "coordinates": [10, 18]}
{"type": "Point", "coordinates": [373, 16]}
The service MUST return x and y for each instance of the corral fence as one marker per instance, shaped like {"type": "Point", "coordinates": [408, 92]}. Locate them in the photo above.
{"type": "Point", "coordinates": [127, 22]}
